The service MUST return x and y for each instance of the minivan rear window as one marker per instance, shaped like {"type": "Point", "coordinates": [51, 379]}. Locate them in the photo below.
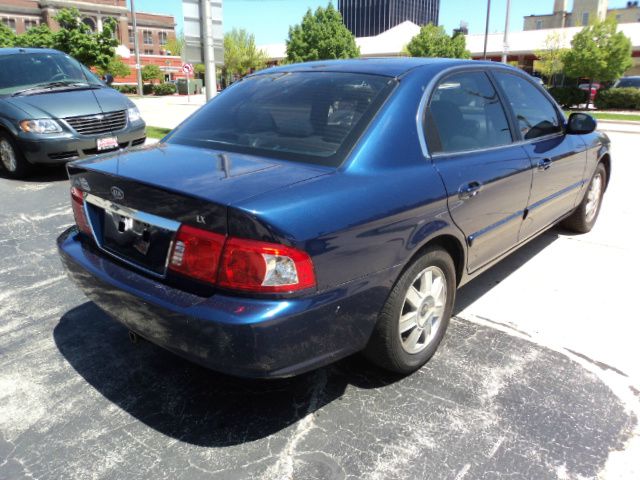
{"type": "Point", "coordinates": [311, 117]}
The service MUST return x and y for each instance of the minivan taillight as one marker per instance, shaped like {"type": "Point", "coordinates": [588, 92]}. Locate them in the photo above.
{"type": "Point", "coordinates": [77, 204]}
{"type": "Point", "coordinates": [240, 264]}
{"type": "Point", "coordinates": [196, 253]}
{"type": "Point", "coordinates": [255, 266]}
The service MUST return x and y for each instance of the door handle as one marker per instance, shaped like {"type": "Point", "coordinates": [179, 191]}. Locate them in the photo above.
{"type": "Point", "coordinates": [469, 190]}
{"type": "Point", "coordinates": [545, 164]}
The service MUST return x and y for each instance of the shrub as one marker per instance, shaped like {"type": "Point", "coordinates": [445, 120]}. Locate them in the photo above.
{"type": "Point", "coordinates": [568, 97]}
{"type": "Point", "coordinates": [127, 89]}
{"type": "Point", "coordinates": [619, 98]}
{"type": "Point", "coordinates": [164, 89]}
{"type": "Point", "coordinates": [147, 89]}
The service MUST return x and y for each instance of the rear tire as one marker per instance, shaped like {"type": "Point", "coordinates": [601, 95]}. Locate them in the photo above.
{"type": "Point", "coordinates": [12, 160]}
{"type": "Point", "coordinates": [584, 217]}
{"type": "Point", "coordinates": [416, 315]}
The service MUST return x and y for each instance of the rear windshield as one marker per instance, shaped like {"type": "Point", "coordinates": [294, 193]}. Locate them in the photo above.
{"type": "Point", "coordinates": [26, 70]}
{"type": "Point", "coordinates": [311, 117]}
{"type": "Point", "coordinates": [629, 82]}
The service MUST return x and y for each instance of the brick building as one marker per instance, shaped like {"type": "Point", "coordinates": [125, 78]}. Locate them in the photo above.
{"type": "Point", "coordinates": [154, 30]}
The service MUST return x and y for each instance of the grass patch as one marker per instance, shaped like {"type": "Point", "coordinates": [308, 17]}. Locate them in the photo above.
{"type": "Point", "coordinates": [157, 132]}
{"type": "Point", "coordinates": [622, 117]}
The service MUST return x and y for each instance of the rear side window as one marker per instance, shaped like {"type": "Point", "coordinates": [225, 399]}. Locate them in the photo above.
{"type": "Point", "coordinates": [535, 114]}
{"type": "Point", "coordinates": [311, 117]}
{"type": "Point", "coordinates": [465, 113]}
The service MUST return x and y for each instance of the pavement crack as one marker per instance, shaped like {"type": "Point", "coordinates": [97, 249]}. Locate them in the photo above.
{"type": "Point", "coordinates": [284, 467]}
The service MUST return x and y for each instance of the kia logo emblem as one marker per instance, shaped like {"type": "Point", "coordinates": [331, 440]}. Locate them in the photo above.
{"type": "Point", "coordinates": [117, 193]}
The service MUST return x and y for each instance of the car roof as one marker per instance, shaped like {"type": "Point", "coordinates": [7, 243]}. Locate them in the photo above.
{"type": "Point", "coordinates": [16, 51]}
{"type": "Point", "coordinates": [391, 67]}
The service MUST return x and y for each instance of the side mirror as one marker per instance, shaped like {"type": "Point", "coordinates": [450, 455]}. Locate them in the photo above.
{"type": "Point", "coordinates": [581, 124]}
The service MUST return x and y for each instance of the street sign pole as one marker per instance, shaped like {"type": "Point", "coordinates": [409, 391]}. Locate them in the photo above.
{"type": "Point", "coordinates": [209, 58]}
{"type": "Point", "coordinates": [136, 48]}
{"type": "Point", "coordinates": [505, 52]}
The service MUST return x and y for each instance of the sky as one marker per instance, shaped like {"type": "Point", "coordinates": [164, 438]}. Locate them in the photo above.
{"type": "Point", "coordinates": [269, 20]}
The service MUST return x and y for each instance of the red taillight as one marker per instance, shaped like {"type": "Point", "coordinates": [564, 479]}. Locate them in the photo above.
{"type": "Point", "coordinates": [196, 253]}
{"type": "Point", "coordinates": [77, 203]}
{"type": "Point", "coordinates": [254, 266]}
{"type": "Point", "coordinates": [238, 264]}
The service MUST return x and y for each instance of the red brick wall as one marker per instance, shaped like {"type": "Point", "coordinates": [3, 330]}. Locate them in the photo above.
{"type": "Point", "coordinates": [168, 64]}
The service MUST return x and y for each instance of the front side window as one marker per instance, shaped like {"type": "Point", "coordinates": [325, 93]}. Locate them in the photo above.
{"type": "Point", "coordinates": [162, 38]}
{"type": "Point", "coordinates": [535, 114]}
{"type": "Point", "coordinates": [147, 36]}
{"type": "Point", "coordinates": [310, 117]}
{"type": "Point", "coordinates": [465, 113]}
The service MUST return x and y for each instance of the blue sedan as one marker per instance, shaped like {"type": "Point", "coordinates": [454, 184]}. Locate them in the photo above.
{"type": "Point", "coordinates": [317, 210]}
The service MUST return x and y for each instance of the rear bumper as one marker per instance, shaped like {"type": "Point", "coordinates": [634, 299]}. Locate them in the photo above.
{"type": "Point", "coordinates": [240, 336]}
{"type": "Point", "coordinates": [67, 147]}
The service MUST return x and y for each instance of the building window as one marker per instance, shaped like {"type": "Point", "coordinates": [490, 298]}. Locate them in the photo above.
{"type": "Point", "coordinates": [147, 36]}
{"type": "Point", "coordinates": [10, 22]}
{"type": "Point", "coordinates": [538, 24]}
{"type": "Point", "coordinates": [162, 38]}
{"type": "Point", "coordinates": [90, 22]}
{"type": "Point", "coordinates": [618, 18]}
{"type": "Point", "coordinates": [30, 24]}
{"type": "Point", "coordinates": [148, 51]}
{"type": "Point", "coordinates": [132, 39]}
{"type": "Point", "coordinates": [585, 18]}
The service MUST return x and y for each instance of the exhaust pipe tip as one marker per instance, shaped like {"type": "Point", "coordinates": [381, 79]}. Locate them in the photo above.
{"type": "Point", "coordinates": [133, 337]}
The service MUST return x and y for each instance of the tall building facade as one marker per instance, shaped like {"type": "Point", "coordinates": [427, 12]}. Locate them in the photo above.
{"type": "Point", "coordinates": [367, 18]}
{"type": "Point", "coordinates": [583, 13]}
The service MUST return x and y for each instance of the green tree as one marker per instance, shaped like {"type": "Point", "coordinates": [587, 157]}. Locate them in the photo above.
{"type": "Point", "coordinates": [78, 40]}
{"type": "Point", "coordinates": [321, 36]}
{"type": "Point", "coordinates": [433, 41]}
{"type": "Point", "coordinates": [241, 54]}
{"type": "Point", "coordinates": [176, 45]}
{"type": "Point", "coordinates": [7, 37]}
{"type": "Point", "coordinates": [550, 58]}
{"type": "Point", "coordinates": [151, 72]}
{"type": "Point", "coordinates": [36, 37]}
{"type": "Point", "coordinates": [599, 52]}
{"type": "Point", "coordinates": [116, 67]}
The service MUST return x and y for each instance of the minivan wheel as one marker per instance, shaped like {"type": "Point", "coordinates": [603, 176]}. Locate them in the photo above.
{"type": "Point", "coordinates": [416, 315]}
{"type": "Point", "coordinates": [11, 159]}
{"type": "Point", "coordinates": [584, 217]}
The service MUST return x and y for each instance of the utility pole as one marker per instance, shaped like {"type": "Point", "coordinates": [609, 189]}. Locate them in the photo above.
{"type": "Point", "coordinates": [486, 30]}
{"type": "Point", "coordinates": [505, 51]}
{"type": "Point", "coordinates": [207, 45]}
{"type": "Point", "coordinates": [136, 48]}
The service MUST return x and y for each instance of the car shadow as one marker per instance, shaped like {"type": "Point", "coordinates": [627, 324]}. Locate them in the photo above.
{"type": "Point", "coordinates": [484, 283]}
{"type": "Point", "coordinates": [191, 403]}
{"type": "Point", "coordinates": [43, 174]}
{"type": "Point", "coordinates": [199, 406]}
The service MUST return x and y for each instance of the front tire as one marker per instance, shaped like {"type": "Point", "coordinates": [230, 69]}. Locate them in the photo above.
{"type": "Point", "coordinates": [584, 217]}
{"type": "Point", "coordinates": [416, 315]}
{"type": "Point", "coordinates": [11, 158]}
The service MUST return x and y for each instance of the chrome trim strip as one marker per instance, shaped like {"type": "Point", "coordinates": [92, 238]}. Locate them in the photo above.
{"type": "Point", "coordinates": [143, 217]}
{"type": "Point", "coordinates": [154, 220]}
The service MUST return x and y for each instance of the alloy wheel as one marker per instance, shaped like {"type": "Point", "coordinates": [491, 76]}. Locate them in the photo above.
{"type": "Point", "coordinates": [593, 198]}
{"type": "Point", "coordinates": [8, 156]}
{"type": "Point", "coordinates": [422, 310]}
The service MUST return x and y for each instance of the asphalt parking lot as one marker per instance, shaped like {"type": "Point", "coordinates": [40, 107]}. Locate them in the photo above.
{"type": "Point", "coordinates": [518, 389]}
